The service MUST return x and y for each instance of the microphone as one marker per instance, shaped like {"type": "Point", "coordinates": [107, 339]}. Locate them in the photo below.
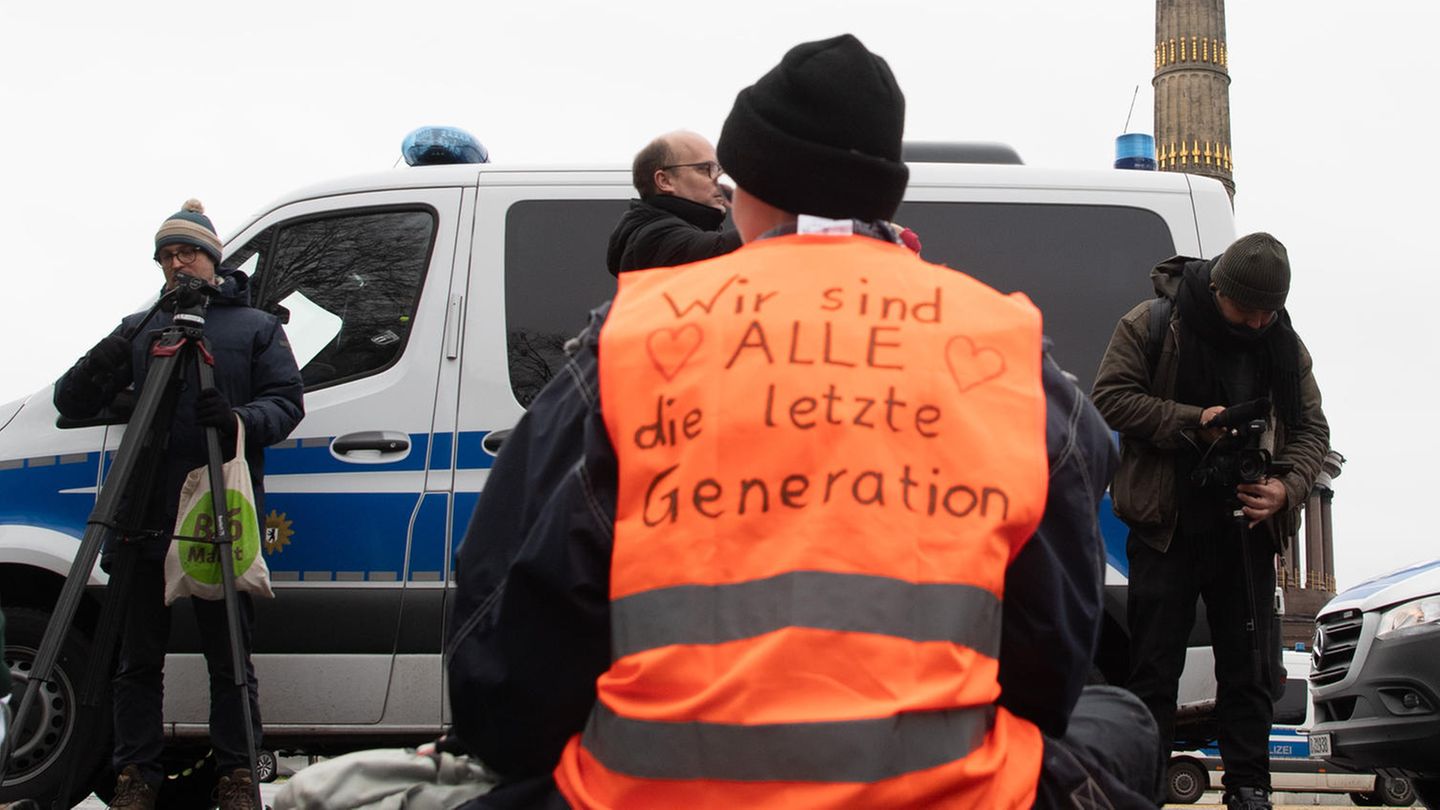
{"type": "Point", "coordinates": [1242, 414]}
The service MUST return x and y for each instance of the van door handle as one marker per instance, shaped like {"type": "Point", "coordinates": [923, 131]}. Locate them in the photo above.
{"type": "Point", "coordinates": [379, 441]}
{"type": "Point", "coordinates": [493, 440]}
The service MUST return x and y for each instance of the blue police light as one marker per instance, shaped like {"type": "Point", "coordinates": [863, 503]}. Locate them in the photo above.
{"type": "Point", "coordinates": [439, 146]}
{"type": "Point", "coordinates": [1135, 150]}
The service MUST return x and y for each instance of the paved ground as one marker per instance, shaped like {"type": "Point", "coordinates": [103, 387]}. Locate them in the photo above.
{"type": "Point", "coordinates": [1283, 801]}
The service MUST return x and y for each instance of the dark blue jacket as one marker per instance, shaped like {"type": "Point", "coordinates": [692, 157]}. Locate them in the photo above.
{"type": "Point", "coordinates": [254, 368]}
{"type": "Point", "coordinates": [530, 624]}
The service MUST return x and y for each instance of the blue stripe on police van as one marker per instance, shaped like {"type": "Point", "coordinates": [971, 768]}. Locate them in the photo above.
{"type": "Point", "coordinates": [441, 451]}
{"type": "Point", "coordinates": [312, 455]}
{"type": "Point", "coordinates": [473, 455]}
{"type": "Point", "coordinates": [51, 492]}
{"type": "Point", "coordinates": [1113, 531]}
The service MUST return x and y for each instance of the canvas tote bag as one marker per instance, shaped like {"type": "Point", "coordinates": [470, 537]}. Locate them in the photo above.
{"type": "Point", "coordinates": [192, 567]}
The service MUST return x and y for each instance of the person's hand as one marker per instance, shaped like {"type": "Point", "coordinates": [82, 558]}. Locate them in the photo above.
{"type": "Point", "coordinates": [1208, 415]}
{"type": "Point", "coordinates": [109, 355]}
{"type": "Point", "coordinates": [212, 409]}
{"type": "Point", "coordinates": [1262, 499]}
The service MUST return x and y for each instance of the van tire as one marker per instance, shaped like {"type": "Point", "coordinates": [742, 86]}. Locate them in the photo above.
{"type": "Point", "coordinates": [1185, 781]}
{"type": "Point", "coordinates": [1395, 791]}
{"type": "Point", "coordinates": [39, 763]}
{"type": "Point", "coordinates": [267, 767]}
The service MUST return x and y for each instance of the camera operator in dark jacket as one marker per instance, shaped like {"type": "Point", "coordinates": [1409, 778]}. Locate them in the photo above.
{"type": "Point", "coordinates": [256, 379]}
{"type": "Point", "coordinates": [1198, 527]}
{"type": "Point", "coordinates": [680, 215]}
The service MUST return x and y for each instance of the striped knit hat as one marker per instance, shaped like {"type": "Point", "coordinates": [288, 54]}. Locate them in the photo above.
{"type": "Point", "coordinates": [189, 226]}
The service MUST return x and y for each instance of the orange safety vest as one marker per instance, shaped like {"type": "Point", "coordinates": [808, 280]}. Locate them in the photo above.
{"type": "Point", "coordinates": [829, 451]}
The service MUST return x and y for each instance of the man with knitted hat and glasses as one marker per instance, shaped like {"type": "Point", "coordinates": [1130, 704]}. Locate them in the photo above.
{"type": "Point", "coordinates": [1218, 337]}
{"type": "Point", "coordinates": [256, 380]}
{"type": "Point", "coordinates": [761, 545]}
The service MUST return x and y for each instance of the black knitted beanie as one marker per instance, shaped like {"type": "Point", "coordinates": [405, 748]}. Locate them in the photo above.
{"type": "Point", "coordinates": [820, 133]}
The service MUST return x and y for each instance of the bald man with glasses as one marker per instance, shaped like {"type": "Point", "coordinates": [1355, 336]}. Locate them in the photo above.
{"type": "Point", "coordinates": [680, 215]}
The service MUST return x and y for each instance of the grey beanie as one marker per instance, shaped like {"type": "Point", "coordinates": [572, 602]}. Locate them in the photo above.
{"type": "Point", "coordinates": [189, 226]}
{"type": "Point", "coordinates": [1254, 272]}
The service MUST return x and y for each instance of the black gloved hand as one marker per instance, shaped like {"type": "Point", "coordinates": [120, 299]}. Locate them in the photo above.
{"type": "Point", "coordinates": [212, 409]}
{"type": "Point", "coordinates": [108, 356]}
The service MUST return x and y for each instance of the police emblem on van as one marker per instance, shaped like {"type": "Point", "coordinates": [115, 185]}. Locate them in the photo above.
{"type": "Point", "coordinates": [277, 533]}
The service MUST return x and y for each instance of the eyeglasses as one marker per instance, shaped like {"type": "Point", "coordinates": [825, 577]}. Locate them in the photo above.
{"type": "Point", "coordinates": [185, 253]}
{"type": "Point", "coordinates": [709, 168]}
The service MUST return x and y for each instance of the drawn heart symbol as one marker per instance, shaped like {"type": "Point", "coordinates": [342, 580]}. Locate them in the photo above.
{"type": "Point", "coordinates": [972, 365]}
{"type": "Point", "coordinates": [670, 349]}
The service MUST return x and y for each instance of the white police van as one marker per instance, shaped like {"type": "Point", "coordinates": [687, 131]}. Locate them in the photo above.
{"type": "Point", "coordinates": [1376, 674]}
{"type": "Point", "coordinates": [429, 304]}
{"type": "Point", "coordinates": [1294, 766]}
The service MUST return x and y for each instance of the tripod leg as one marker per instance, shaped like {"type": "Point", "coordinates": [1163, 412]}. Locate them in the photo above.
{"type": "Point", "coordinates": [223, 549]}
{"type": "Point", "coordinates": [89, 724]}
{"type": "Point", "coordinates": [1252, 621]}
{"type": "Point", "coordinates": [137, 456]}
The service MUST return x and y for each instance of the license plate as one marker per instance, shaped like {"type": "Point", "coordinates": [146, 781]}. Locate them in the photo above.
{"type": "Point", "coordinates": [1319, 745]}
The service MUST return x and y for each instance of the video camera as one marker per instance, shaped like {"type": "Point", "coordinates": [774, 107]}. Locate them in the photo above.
{"type": "Point", "coordinates": [1237, 457]}
{"type": "Point", "coordinates": [188, 299]}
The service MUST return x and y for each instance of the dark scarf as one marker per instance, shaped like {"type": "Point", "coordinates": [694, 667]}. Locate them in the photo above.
{"type": "Point", "coordinates": [1225, 364]}
{"type": "Point", "coordinates": [704, 217]}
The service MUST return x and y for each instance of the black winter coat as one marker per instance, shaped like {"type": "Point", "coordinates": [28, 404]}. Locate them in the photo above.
{"type": "Point", "coordinates": [254, 369]}
{"type": "Point", "coordinates": [663, 231]}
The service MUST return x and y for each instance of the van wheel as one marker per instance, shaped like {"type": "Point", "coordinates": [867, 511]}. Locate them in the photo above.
{"type": "Point", "coordinates": [49, 745]}
{"type": "Point", "coordinates": [267, 767]}
{"type": "Point", "coordinates": [1185, 781]}
{"type": "Point", "coordinates": [1395, 791]}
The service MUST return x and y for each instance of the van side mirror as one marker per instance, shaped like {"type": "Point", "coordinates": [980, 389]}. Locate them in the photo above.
{"type": "Point", "coordinates": [116, 413]}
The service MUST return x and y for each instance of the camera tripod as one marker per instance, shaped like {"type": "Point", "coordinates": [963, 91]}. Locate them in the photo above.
{"type": "Point", "coordinates": [119, 505]}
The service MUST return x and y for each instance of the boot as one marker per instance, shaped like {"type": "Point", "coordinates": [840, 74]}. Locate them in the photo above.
{"type": "Point", "coordinates": [1247, 798]}
{"type": "Point", "coordinates": [236, 791]}
{"type": "Point", "coordinates": [131, 792]}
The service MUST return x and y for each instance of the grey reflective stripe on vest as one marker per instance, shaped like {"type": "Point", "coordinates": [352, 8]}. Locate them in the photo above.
{"type": "Point", "coordinates": [841, 751]}
{"type": "Point", "coordinates": [712, 614]}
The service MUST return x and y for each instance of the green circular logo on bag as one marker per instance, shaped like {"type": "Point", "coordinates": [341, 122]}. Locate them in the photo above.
{"type": "Point", "coordinates": [198, 559]}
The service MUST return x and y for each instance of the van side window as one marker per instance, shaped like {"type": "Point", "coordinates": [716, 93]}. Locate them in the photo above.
{"type": "Point", "coordinates": [1041, 249]}
{"type": "Point", "coordinates": [349, 285]}
{"type": "Point", "coordinates": [554, 275]}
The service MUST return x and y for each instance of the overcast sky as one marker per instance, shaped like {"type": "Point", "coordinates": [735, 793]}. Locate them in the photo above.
{"type": "Point", "coordinates": [115, 113]}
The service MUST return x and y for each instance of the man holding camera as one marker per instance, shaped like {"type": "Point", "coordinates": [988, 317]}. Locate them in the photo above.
{"type": "Point", "coordinates": [256, 380]}
{"type": "Point", "coordinates": [1203, 397]}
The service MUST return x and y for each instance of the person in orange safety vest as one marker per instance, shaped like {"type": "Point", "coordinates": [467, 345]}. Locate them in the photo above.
{"type": "Point", "coordinates": [808, 525]}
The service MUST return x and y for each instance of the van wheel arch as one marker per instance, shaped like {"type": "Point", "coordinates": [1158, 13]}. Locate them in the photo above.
{"type": "Point", "coordinates": [29, 586]}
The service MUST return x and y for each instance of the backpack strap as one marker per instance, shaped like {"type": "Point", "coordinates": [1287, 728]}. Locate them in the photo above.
{"type": "Point", "coordinates": [1159, 322]}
